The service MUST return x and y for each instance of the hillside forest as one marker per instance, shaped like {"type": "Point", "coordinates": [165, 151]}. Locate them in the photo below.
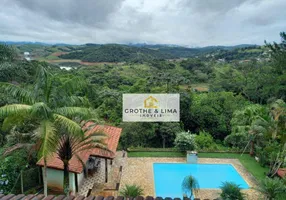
{"type": "Point", "coordinates": [231, 98]}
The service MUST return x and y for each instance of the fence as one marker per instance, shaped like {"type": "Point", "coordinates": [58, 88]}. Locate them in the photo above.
{"type": "Point", "coordinates": [28, 181]}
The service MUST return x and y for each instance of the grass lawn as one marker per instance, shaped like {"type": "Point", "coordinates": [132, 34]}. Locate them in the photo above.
{"type": "Point", "coordinates": [156, 154]}
{"type": "Point", "coordinates": [247, 161]}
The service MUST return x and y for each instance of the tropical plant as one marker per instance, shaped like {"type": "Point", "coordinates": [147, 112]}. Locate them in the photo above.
{"type": "Point", "coordinates": [185, 141]}
{"type": "Point", "coordinates": [271, 188]}
{"type": "Point", "coordinates": [231, 191]}
{"type": "Point", "coordinates": [204, 140]}
{"type": "Point", "coordinates": [190, 186]}
{"type": "Point", "coordinates": [131, 191]}
{"type": "Point", "coordinates": [70, 146]}
{"type": "Point", "coordinates": [44, 104]}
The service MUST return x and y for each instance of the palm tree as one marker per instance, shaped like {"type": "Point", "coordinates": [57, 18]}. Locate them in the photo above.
{"type": "Point", "coordinates": [70, 146]}
{"type": "Point", "coordinates": [272, 188]}
{"type": "Point", "coordinates": [231, 190]}
{"type": "Point", "coordinates": [190, 185]}
{"type": "Point", "coordinates": [52, 109]}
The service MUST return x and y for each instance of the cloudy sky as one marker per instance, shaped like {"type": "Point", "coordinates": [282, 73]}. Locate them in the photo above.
{"type": "Point", "coordinates": [182, 22]}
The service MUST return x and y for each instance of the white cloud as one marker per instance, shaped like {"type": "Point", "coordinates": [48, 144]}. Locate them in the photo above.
{"type": "Point", "coordinates": [184, 22]}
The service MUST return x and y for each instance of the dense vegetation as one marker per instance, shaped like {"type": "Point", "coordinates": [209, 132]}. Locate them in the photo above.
{"type": "Point", "coordinates": [229, 105]}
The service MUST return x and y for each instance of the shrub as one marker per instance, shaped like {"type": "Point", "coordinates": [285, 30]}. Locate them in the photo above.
{"type": "Point", "coordinates": [204, 140]}
{"type": "Point", "coordinates": [185, 141]}
{"type": "Point", "coordinates": [190, 185]}
{"type": "Point", "coordinates": [231, 191]}
{"type": "Point", "coordinates": [237, 140]}
{"type": "Point", "coordinates": [272, 188]}
{"type": "Point", "coordinates": [131, 191]}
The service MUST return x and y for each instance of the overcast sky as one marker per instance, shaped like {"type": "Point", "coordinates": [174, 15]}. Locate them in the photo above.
{"type": "Point", "coordinates": [182, 22]}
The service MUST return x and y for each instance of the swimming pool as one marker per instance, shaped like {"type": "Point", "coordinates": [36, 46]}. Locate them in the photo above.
{"type": "Point", "coordinates": [168, 177]}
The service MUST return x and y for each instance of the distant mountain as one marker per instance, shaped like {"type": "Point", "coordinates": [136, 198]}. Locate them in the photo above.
{"type": "Point", "coordinates": [141, 52]}
{"type": "Point", "coordinates": [92, 52]}
{"type": "Point", "coordinates": [116, 53]}
{"type": "Point", "coordinates": [33, 43]}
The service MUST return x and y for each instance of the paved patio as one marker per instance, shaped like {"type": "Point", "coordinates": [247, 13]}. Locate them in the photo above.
{"type": "Point", "coordinates": [140, 171]}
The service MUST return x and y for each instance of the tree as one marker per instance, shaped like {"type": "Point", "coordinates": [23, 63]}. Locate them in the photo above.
{"type": "Point", "coordinates": [278, 53]}
{"type": "Point", "coordinates": [7, 54]}
{"type": "Point", "coordinates": [231, 191]}
{"type": "Point", "coordinates": [190, 185]}
{"type": "Point", "coordinates": [43, 105]}
{"type": "Point", "coordinates": [272, 188]}
{"type": "Point", "coordinates": [70, 146]}
{"type": "Point", "coordinates": [249, 122]}
{"type": "Point", "coordinates": [167, 131]}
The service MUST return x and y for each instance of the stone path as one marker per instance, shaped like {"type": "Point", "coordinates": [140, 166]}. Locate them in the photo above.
{"type": "Point", "coordinates": [97, 181]}
{"type": "Point", "coordinates": [98, 177]}
{"type": "Point", "coordinates": [139, 171]}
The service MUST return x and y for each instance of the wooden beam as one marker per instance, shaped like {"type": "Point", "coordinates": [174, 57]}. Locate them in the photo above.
{"type": "Point", "coordinates": [106, 171]}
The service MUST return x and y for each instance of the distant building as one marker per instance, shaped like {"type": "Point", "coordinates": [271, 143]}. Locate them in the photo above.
{"type": "Point", "coordinates": [221, 60]}
{"type": "Point", "coordinates": [27, 56]}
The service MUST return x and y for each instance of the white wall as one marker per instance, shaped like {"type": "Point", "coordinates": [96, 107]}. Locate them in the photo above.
{"type": "Point", "coordinates": [80, 178]}
{"type": "Point", "coordinates": [55, 179]}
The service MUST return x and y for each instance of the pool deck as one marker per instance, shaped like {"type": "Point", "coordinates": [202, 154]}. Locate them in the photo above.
{"type": "Point", "coordinates": [139, 171]}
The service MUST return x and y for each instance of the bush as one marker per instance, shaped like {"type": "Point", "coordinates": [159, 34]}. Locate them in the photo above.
{"type": "Point", "coordinates": [131, 191]}
{"type": "Point", "coordinates": [231, 191]}
{"type": "Point", "coordinates": [185, 141]}
{"type": "Point", "coordinates": [204, 140]}
{"type": "Point", "coordinates": [237, 140]}
{"type": "Point", "coordinates": [272, 188]}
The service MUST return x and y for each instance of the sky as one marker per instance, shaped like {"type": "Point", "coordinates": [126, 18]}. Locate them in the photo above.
{"type": "Point", "coordinates": [181, 22]}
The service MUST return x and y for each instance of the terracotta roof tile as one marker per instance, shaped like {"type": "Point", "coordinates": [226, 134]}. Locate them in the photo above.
{"type": "Point", "coordinates": [113, 135]}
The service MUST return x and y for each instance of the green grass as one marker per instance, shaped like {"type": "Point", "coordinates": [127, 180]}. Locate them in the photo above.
{"type": "Point", "coordinates": [246, 160]}
{"type": "Point", "coordinates": [156, 154]}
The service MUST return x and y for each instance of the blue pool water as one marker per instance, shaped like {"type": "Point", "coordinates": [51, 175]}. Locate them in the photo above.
{"type": "Point", "coordinates": [168, 177]}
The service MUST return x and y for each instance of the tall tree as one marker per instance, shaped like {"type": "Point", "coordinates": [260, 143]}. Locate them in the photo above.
{"type": "Point", "coordinates": [70, 145]}
{"type": "Point", "coordinates": [44, 103]}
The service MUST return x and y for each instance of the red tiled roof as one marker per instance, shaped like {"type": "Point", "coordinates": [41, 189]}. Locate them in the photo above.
{"type": "Point", "coordinates": [281, 172]}
{"type": "Point", "coordinates": [113, 135]}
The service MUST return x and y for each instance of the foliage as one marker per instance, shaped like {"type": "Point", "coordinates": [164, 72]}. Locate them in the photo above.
{"type": "Point", "coordinates": [238, 140]}
{"type": "Point", "coordinates": [231, 191]}
{"type": "Point", "coordinates": [115, 53]}
{"type": "Point", "coordinates": [204, 140]}
{"type": "Point", "coordinates": [272, 188]}
{"type": "Point", "coordinates": [137, 134]}
{"type": "Point", "coordinates": [167, 131]}
{"type": "Point", "coordinates": [185, 141]}
{"type": "Point", "coordinates": [212, 113]}
{"type": "Point", "coordinates": [131, 191]}
{"type": "Point", "coordinates": [69, 146]}
{"type": "Point", "coordinates": [52, 110]}
{"type": "Point", "coordinates": [190, 185]}
{"type": "Point", "coordinates": [10, 169]}
{"type": "Point", "coordinates": [7, 53]}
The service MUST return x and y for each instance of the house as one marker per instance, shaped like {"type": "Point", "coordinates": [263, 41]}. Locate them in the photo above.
{"type": "Point", "coordinates": [91, 158]}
